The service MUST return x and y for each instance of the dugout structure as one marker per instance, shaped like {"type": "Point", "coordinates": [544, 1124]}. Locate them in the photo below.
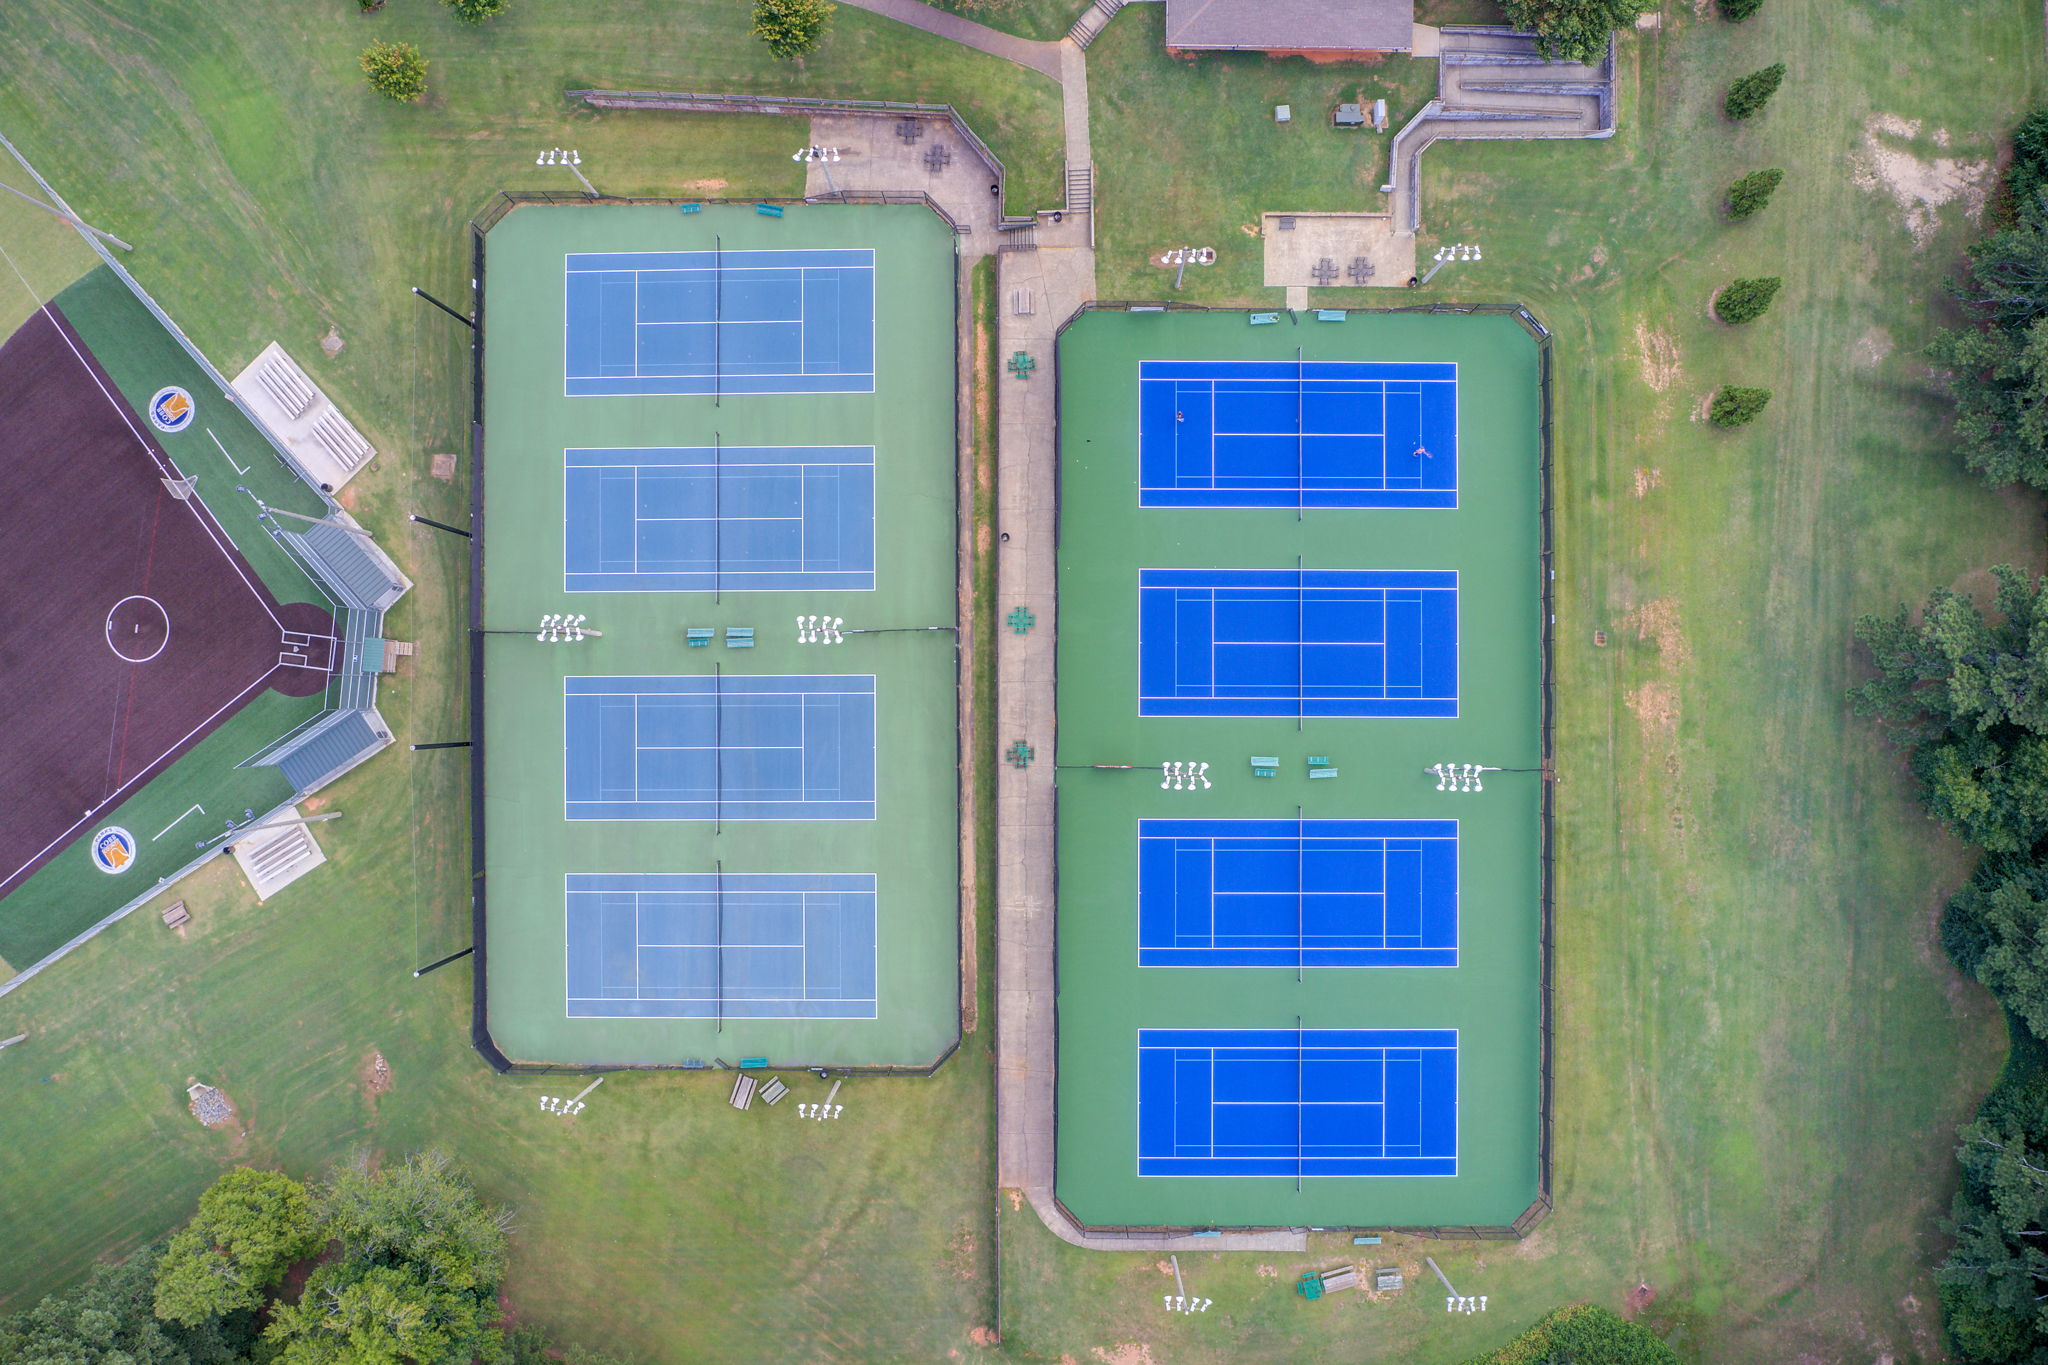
{"type": "Point", "coordinates": [700, 836]}
{"type": "Point", "coordinates": [1314, 991]}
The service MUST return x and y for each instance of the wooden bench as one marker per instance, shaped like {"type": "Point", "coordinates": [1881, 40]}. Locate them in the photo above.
{"type": "Point", "coordinates": [176, 914]}
{"type": "Point", "coordinates": [1343, 1277]}
{"type": "Point", "coordinates": [742, 1092]}
{"type": "Point", "coordinates": [774, 1090]}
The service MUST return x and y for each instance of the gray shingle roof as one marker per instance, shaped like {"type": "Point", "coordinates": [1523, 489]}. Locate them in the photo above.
{"type": "Point", "coordinates": [1290, 25]}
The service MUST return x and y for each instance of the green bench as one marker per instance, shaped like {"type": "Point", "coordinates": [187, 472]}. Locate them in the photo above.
{"type": "Point", "coordinates": [1264, 319]}
{"type": "Point", "coordinates": [769, 210]}
{"type": "Point", "coordinates": [1329, 315]}
{"type": "Point", "coordinates": [700, 636]}
{"type": "Point", "coordinates": [689, 208]}
{"type": "Point", "coordinates": [739, 637]}
{"type": "Point", "coordinates": [1265, 767]}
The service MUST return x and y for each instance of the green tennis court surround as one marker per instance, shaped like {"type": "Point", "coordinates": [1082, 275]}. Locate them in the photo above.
{"type": "Point", "coordinates": [708, 832]}
{"type": "Point", "coordinates": [1302, 985]}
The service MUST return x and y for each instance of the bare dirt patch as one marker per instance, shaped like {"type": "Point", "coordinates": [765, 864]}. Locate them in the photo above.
{"type": "Point", "coordinates": [1920, 188]}
{"type": "Point", "coordinates": [373, 1078]}
{"type": "Point", "coordinates": [1872, 347]}
{"type": "Point", "coordinates": [1657, 621]}
{"type": "Point", "coordinates": [1656, 705]}
{"type": "Point", "coordinates": [984, 1336]}
{"type": "Point", "coordinates": [1124, 1353]}
{"type": "Point", "coordinates": [706, 184]}
{"type": "Point", "coordinates": [444, 467]}
{"type": "Point", "coordinates": [1016, 1200]}
{"type": "Point", "coordinates": [332, 342]}
{"type": "Point", "coordinates": [1658, 356]}
{"type": "Point", "coordinates": [1268, 1272]}
{"type": "Point", "coordinates": [1639, 1298]}
{"type": "Point", "coordinates": [1647, 479]}
{"type": "Point", "coordinates": [960, 1254]}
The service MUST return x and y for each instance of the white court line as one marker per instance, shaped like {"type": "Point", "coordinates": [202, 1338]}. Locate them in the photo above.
{"type": "Point", "coordinates": [174, 824]}
{"type": "Point", "coordinates": [224, 453]}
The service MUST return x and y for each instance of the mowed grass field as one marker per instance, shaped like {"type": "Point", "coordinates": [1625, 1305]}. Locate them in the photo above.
{"type": "Point", "coordinates": [1761, 1054]}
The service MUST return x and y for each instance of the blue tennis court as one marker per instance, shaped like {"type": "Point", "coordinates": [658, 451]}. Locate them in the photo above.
{"type": "Point", "coordinates": [1243, 433]}
{"type": "Point", "coordinates": [693, 322]}
{"type": "Point", "coordinates": [703, 747]}
{"type": "Point", "coordinates": [1297, 893]}
{"type": "Point", "coordinates": [721, 945]}
{"type": "Point", "coordinates": [730, 518]}
{"type": "Point", "coordinates": [1283, 1102]}
{"type": "Point", "coordinates": [1282, 642]}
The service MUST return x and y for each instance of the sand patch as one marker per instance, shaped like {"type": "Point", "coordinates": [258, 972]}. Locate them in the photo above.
{"type": "Point", "coordinates": [983, 1336]}
{"type": "Point", "coordinates": [1658, 356]}
{"type": "Point", "coordinates": [1920, 188]}
{"type": "Point", "coordinates": [1647, 479]}
{"type": "Point", "coordinates": [373, 1078]}
{"type": "Point", "coordinates": [1268, 1272]}
{"type": "Point", "coordinates": [1016, 1200]}
{"type": "Point", "coordinates": [444, 467]}
{"type": "Point", "coordinates": [706, 184]}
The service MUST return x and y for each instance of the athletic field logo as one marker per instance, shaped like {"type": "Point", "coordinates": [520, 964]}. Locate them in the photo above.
{"type": "Point", "coordinates": [113, 849]}
{"type": "Point", "coordinates": [171, 409]}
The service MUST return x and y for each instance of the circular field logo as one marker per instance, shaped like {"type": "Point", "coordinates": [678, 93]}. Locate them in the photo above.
{"type": "Point", "coordinates": [113, 849]}
{"type": "Point", "coordinates": [171, 409]}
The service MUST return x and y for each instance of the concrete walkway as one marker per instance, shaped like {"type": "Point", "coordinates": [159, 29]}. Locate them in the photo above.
{"type": "Point", "coordinates": [1043, 58]}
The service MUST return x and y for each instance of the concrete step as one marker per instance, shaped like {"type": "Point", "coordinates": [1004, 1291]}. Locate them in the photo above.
{"type": "Point", "coordinates": [1093, 20]}
{"type": "Point", "coordinates": [1080, 188]}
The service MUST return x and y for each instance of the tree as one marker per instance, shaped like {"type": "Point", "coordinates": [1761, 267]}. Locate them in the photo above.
{"type": "Point", "coordinates": [476, 11]}
{"type": "Point", "coordinates": [1989, 793]}
{"type": "Point", "coordinates": [1749, 194]}
{"type": "Point", "coordinates": [1999, 381]}
{"type": "Point", "coordinates": [1572, 30]}
{"type": "Point", "coordinates": [1746, 300]}
{"type": "Point", "coordinates": [422, 1213]}
{"type": "Point", "coordinates": [107, 1321]}
{"type": "Point", "coordinates": [358, 1314]}
{"type": "Point", "coordinates": [1735, 11]}
{"type": "Point", "coordinates": [2028, 174]}
{"type": "Point", "coordinates": [792, 28]}
{"type": "Point", "coordinates": [1956, 670]}
{"type": "Point", "coordinates": [250, 1227]}
{"type": "Point", "coordinates": [2008, 273]}
{"type": "Point", "coordinates": [2003, 908]}
{"type": "Point", "coordinates": [396, 70]}
{"type": "Point", "coordinates": [1737, 406]}
{"type": "Point", "coordinates": [1754, 91]}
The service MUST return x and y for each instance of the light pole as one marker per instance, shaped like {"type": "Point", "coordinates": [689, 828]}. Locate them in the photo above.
{"type": "Point", "coordinates": [824, 156]}
{"type": "Point", "coordinates": [555, 629]}
{"type": "Point", "coordinates": [556, 156]}
{"type": "Point", "coordinates": [825, 630]}
{"type": "Point", "coordinates": [1458, 251]}
{"type": "Point", "coordinates": [1466, 777]}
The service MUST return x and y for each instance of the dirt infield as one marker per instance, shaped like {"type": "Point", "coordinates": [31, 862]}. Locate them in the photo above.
{"type": "Point", "coordinates": [132, 626]}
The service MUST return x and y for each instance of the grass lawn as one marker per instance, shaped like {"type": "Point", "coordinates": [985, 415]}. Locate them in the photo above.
{"type": "Point", "coordinates": [1762, 1055]}
{"type": "Point", "coordinates": [1151, 117]}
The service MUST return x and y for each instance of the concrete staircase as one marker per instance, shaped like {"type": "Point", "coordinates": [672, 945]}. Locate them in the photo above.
{"type": "Point", "coordinates": [1495, 83]}
{"type": "Point", "coordinates": [1080, 189]}
{"type": "Point", "coordinates": [1092, 21]}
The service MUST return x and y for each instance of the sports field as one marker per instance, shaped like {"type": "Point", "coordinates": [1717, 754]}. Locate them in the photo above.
{"type": "Point", "coordinates": [1300, 985]}
{"type": "Point", "coordinates": [710, 833]}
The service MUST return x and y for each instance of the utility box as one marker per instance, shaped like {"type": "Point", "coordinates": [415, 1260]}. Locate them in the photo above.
{"type": "Point", "coordinates": [1349, 116]}
{"type": "Point", "coordinates": [1379, 116]}
{"type": "Point", "coordinates": [1283, 113]}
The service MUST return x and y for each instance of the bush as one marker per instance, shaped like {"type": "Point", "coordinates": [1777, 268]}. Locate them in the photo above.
{"type": "Point", "coordinates": [1735, 11]}
{"type": "Point", "coordinates": [1584, 1334]}
{"type": "Point", "coordinates": [1749, 194]}
{"type": "Point", "coordinates": [1736, 406]}
{"type": "Point", "coordinates": [1754, 91]}
{"type": "Point", "coordinates": [476, 11]}
{"type": "Point", "coordinates": [791, 28]}
{"type": "Point", "coordinates": [1746, 300]}
{"type": "Point", "coordinates": [396, 70]}
{"type": "Point", "coordinates": [1573, 30]}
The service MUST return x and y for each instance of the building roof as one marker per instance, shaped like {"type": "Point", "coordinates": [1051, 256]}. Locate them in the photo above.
{"type": "Point", "coordinates": [1291, 25]}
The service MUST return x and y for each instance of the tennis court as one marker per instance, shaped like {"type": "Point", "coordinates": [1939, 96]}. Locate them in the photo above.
{"type": "Point", "coordinates": [1307, 434]}
{"type": "Point", "coordinates": [1297, 893]}
{"type": "Point", "coordinates": [723, 945]}
{"type": "Point", "coordinates": [719, 518]}
{"type": "Point", "coordinates": [1307, 990]}
{"type": "Point", "coordinates": [720, 747]}
{"type": "Point", "coordinates": [715, 322]}
{"type": "Point", "coordinates": [1299, 1103]}
{"type": "Point", "coordinates": [1288, 642]}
